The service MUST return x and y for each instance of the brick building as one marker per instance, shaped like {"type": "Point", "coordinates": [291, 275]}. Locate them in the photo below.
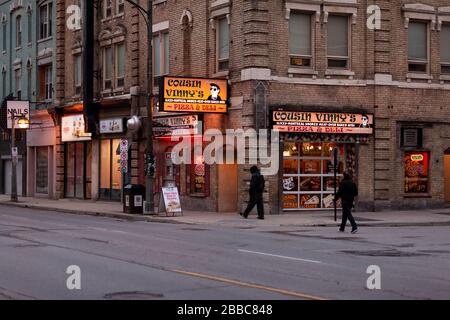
{"type": "Point", "coordinates": [316, 59]}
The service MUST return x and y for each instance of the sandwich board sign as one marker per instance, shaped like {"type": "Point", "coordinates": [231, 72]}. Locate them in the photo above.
{"type": "Point", "coordinates": [171, 198]}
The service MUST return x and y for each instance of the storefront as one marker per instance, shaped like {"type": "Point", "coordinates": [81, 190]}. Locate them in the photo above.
{"type": "Point", "coordinates": [41, 139]}
{"type": "Point", "coordinates": [78, 157]}
{"type": "Point", "coordinates": [111, 175]}
{"type": "Point", "coordinates": [308, 143]}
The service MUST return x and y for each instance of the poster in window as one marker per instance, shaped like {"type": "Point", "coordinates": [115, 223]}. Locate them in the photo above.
{"type": "Point", "coordinates": [416, 172]}
{"type": "Point", "coordinates": [290, 201]}
{"type": "Point", "coordinates": [310, 201]}
{"type": "Point", "coordinates": [290, 184]}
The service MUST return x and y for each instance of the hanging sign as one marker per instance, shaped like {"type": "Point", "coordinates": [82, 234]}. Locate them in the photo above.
{"type": "Point", "coordinates": [193, 95]}
{"type": "Point", "coordinates": [17, 109]}
{"type": "Point", "coordinates": [176, 126]}
{"type": "Point", "coordinates": [123, 155]}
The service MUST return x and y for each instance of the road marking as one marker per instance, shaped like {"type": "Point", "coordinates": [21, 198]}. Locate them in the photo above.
{"type": "Point", "coordinates": [249, 285]}
{"type": "Point", "coordinates": [278, 256]}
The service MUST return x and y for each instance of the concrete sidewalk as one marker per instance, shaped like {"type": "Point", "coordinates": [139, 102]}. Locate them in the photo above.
{"type": "Point", "coordinates": [300, 219]}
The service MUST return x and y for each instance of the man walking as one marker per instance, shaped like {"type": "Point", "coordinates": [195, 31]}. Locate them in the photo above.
{"type": "Point", "coordinates": [256, 193]}
{"type": "Point", "coordinates": [347, 192]}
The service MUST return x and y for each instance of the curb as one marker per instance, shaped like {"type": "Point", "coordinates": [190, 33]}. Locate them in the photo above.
{"type": "Point", "coordinates": [156, 219]}
{"type": "Point", "coordinates": [123, 216]}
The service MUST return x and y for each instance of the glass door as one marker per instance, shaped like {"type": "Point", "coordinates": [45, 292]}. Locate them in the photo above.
{"type": "Point", "coordinates": [78, 170]}
{"type": "Point", "coordinates": [110, 174]}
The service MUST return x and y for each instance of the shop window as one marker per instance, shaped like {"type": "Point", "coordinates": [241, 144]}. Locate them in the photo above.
{"type": "Point", "coordinates": [416, 172]}
{"type": "Point", "coordinates": [308, 173]}
{"type": "Point", "coordinates": [300, 38]}
{"type": "Point", "coordinates": [418, 47]}
{"type": "Point", "coordinates": [198, 177]}
{"type": "Point", "coordinates": [445, 48]}
{"type": "Point", "coordinates": [42, 170]}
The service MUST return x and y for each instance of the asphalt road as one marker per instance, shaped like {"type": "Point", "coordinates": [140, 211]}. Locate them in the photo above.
{"type": "Point", "coordinates": [140, 260]}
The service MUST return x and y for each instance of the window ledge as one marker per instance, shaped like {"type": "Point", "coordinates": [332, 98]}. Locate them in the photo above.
{"type": "Point", "coordinates": [221, 74]}
{"type": "Point", "coordinates": [106, 19]}
{"type": "Point", "coordinates": [302, 71]}
{"type": "Point", "coordinates": [45, 39]}
{"type": "Point", "coordinates": [420, 76]}
{"type": "Point", "coordinates": [198, 195]}
{"type": "Point", "coordinates": [444, 77]}
{"type": "Point", "coordinates": [120, 15]}
{"type": "Point", "coordinates": [18, 48]}
{"type": "Point", "coordinates": [417, 195]}
{"type": "Point", "coordinates": [338, 72]}
{"type": "Point", "coordinates": [105, 92]}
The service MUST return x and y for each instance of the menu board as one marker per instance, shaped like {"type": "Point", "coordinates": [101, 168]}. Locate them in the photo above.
{"type": "Point", "coordinates": [171, 200]}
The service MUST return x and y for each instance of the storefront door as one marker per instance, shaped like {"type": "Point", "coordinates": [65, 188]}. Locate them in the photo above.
{"type": "Point", "coordinates": [78, 170]}
{"type": "Point", "coordinates": [308, 174]}
{"type": "Point", "coordinates": [42, 170]}
{"type": "Point", "coordinates": [110, 175]}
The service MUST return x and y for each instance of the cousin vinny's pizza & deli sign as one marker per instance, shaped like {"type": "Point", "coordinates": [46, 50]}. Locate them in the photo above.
{"type": "Point", "coordinates": [322, 122]}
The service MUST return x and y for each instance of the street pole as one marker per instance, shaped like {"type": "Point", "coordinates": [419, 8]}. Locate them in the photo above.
{"type": "Point", "coordinates": [149, 207]}
{"type": "Point", "coordinates": [13, 160]}
{"type": "Point", "coordinates": [335, 156]}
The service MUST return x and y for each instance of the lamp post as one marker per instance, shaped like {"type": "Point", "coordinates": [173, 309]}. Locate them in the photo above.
{"type": "Point", "coordinates": [23, 124]}
{"type": "Point", "coordinates": [150, 162]}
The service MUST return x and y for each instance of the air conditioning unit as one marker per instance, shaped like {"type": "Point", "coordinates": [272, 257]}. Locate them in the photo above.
{"type": "Point", "coordinates": [411, 137]}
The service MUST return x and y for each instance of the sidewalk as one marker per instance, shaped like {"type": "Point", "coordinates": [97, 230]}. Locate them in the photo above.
{"type": "Point", "coordinates": [300, 219]}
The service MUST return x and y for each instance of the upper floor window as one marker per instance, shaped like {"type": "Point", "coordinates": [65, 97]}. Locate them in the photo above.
{"type": "Point", "coordinates": [18, 31]}
{"type": "Point", "coordinates": [120, 6]}
{"type": "Point", "coordinates": [78, 73]}
{"type": "Point", "coordinates": [300, 38]}
{"type": "Point", "coordinates": [161, 54]}
{"type": "Point", "coordinates": [4, 36]}
{"type": "Point", "coordinates": [120, 65]}
{"type": "Point", "coordinates": [45, 20]}
{"type": "Point", "coordinates": [222, 44]}
{"type": "Point", "coordinates": [338, 42]}
{"type": "Point", "coordinates": [18, 83]}
{"type": "Point", "coordinates": [45, 82]}
{"type": "Point", "coordinates": [418, 46]}
{"type": "Point", "coordinates": [30, 28]}
{"type": "Point", "coordinates": [445, 48]}
{"type": "Point", "coordinates": [108, 8]}
{"type": "Point", "coordinates": [107, 67]}
{"type": "Point", "coordinates": [114, 66]}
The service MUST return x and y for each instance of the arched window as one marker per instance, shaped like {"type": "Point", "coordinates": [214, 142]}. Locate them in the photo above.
{"type": "Point", "coordinates": [18, 31]}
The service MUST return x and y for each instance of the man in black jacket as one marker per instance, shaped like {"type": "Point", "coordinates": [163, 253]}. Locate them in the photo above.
{"type": "Point", "coordinates": [256, 193]}
{"type": "Point", "coordinates": [347, 192]}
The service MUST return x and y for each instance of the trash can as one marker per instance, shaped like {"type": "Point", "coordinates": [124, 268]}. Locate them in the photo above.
{"type": "Point", "coordinates": [133, 198]}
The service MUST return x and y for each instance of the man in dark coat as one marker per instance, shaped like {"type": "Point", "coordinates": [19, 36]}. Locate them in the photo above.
{"type": "Point", "coordinates": [256, 193]}
{"type": "Point", "coordinates": [347, 193]}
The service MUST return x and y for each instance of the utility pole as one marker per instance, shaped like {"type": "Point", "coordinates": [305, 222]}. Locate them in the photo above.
{"type": "Point", "coordinates": [150, 208]}
{"type": "Point", "coordinates": [13, 160]}
{"type": "Point", "coordinates": [149, 157]}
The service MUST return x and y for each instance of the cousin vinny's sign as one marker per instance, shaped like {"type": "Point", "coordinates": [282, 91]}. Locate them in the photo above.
{"type": "Point", "coordinates": [322, 122]}
{"type": "Point", "coordinates": [176, 126]}
{"type": "Point", "coordinates": [196, 95]}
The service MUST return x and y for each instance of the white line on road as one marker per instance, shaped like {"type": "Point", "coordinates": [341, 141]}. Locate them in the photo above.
{"type": "Point", "coordinates": [278, 256]}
